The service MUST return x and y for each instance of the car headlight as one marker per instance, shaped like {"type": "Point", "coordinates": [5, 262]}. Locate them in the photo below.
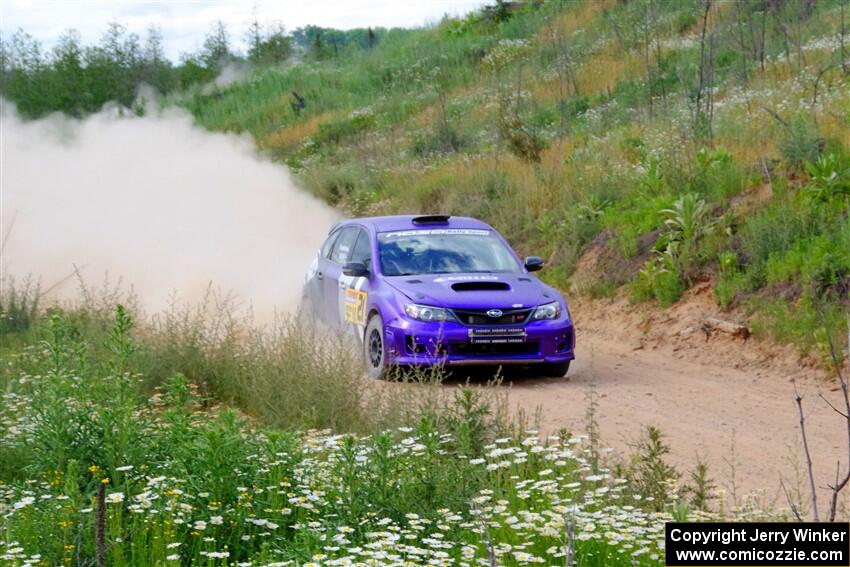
{"type": "Point", "coordinates": [426, 312]}
{"type": "Point", "coordinates": [547, 311]}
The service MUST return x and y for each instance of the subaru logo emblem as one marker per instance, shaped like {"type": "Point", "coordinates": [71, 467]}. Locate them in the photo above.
{"type": "Point", "coordinates": [494, 313]}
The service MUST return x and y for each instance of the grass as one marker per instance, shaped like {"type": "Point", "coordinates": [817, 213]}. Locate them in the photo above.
{"type": "Point", "coordinates": [95, 404]}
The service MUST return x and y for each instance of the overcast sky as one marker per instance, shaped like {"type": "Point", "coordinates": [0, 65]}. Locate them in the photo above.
{"type": "Point", "coordinates": [184, 23]}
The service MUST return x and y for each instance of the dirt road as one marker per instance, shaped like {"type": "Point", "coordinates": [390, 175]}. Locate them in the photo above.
{"type": "Point", "coordinates": [701, 392]}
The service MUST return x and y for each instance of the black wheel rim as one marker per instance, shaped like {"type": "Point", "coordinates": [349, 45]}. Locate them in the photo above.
{"type": "Point", "coordinates": [376, 349]}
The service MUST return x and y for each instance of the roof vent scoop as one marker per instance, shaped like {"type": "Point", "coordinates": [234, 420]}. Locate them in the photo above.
{"type": "Point", "coordinates": [431, 219]}
{"type": "Point", "coordinates": [481, 286]}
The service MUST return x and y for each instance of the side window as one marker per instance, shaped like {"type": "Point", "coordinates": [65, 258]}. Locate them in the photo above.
{"type": "Point", "coordinates": [344, 244]}
{"type": "Point", "coordinates": [362, 250]}
{"type": "Point", "coordinates": [328, 245]}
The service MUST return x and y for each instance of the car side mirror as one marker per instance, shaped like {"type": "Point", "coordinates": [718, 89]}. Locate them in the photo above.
{"type": "Point", "coordinates": [533, 263]}
{"type": "Point", "coordinates": [355, 269]}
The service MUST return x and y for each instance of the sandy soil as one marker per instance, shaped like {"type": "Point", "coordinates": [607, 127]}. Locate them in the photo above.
{"type": "Point", "coordinates": [660, 368]}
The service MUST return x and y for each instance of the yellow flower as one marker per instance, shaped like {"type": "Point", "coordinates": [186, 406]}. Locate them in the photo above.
{"type": "Point", "coordinates": [94, 469]}
{"type": "Point", "coordinates": [105, 480]}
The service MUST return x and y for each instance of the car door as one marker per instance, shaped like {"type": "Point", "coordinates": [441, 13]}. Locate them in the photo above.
{"type": "Point", "coordinates": [332, 274]}
{"type": "Point", "coordinates": [316, 278]}
{"type": "Point", "coordinates": [355, 290]}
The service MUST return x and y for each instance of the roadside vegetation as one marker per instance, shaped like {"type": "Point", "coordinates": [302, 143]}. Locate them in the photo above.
{"type": "Point", "coordinates": [193, 439]}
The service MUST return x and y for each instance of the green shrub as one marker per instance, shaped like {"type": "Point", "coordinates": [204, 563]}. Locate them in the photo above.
{"type": "Point", "coordinates": [659, 279]}
{"type": "Point", "coordinates": [777, 228]}
{"type": "Point", "coordinates": [687, 222]}
{"type": "Point", "coordinates": [802, 142]}
{"type": "Point", "coordinates": [829, 178]}
{"type": "Point", "coordinates": [718, 176]}
{"type": "Point", "coordinates": [648, 470]}
{"type": "Point", "coordinates": [574, 106]}
{"type": "Point", "coordinates": [730, 280]}
{"type": "Point", "coordinates": [332, 133]}
{"type": "Point", "coordinates": [443, 139]}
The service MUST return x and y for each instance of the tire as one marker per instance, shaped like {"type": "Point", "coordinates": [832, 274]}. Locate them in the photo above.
{"type": "Point", "coordinates": [375, 348]}
{"type": "Point", "coordinates": [554, 370]}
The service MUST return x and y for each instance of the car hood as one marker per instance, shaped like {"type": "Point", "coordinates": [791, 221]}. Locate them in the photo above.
{"type": "Point", "coordinates": [471, 291]}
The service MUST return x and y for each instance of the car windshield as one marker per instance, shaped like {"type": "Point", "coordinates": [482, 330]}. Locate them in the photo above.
{"type": "Point", "coordinates": [443, 251]}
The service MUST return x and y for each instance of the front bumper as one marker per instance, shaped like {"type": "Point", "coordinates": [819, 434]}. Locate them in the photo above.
{"type": "Point", "coordinates": [417, 343]}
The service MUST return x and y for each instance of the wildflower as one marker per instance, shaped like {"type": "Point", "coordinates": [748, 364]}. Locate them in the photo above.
{"type": "Point", "coordinates": [216, 520]}
{"type": "Point", "coordinates": [173, 557]}
{"type": "Point", "coordinates": [115, 497]}
{"type": "Point", "coordinates": [23, 502]}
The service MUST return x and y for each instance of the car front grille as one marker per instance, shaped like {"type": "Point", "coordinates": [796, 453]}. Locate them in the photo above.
{"type": "Point", "coordinates": [480, 316]}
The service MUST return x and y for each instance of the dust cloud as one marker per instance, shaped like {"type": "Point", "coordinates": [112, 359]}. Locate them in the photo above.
{"type": "Point", "coordinates": [164, 206]}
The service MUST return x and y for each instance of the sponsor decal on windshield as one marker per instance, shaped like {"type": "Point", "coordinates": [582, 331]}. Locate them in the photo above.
{"type": "Point", "coordinates": [436, 231]}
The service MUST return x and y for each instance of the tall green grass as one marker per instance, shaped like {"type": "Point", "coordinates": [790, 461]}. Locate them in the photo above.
{"type": "Point", "coordinates": [175, 476]}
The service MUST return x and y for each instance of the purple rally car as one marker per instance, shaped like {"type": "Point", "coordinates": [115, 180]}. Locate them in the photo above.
{"type": "Point", "coordinates": [423, 290]}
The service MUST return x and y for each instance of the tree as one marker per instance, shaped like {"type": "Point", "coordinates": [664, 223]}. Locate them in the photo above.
{"type": "Point", "coordinates": [193, 71]}
{"type": "Point", "coordinates": [318, 49]}
{"type": "Point", "coordinates": [68, 84]}
{"type": "Point", "coordinates": [275, 47]}
{"type": "Point", "coordinates": [254, 38]}
{"type": "Point", "coordinates": [113, 67]}
{"type": "Point", "coordinates": [704, 104]}
{"type": "Point", "coordinates": [157, 70]}
{"type": "Point", "coordinates": [26, 70]}
{"type": "Point", "coordinates": [216, 53]}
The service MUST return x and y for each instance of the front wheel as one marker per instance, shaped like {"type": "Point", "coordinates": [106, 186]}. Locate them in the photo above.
{"type": "Point", "coordinates": [554, 370]}
{"type": "Point", "coordinates": [374, 348]}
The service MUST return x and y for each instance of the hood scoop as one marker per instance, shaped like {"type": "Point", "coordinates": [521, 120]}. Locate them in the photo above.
{"type": "Point", "coordinates": [481, 286]}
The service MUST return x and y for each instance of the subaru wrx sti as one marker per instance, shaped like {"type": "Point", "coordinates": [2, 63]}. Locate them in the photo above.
{"type": "Point", "coordinates": [434, 289]}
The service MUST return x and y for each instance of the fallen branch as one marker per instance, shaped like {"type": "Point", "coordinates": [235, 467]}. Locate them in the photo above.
{"type": "Point", "coordinates": [735, 329]}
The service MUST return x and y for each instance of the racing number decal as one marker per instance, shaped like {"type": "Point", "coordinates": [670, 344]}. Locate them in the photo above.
{"type": "Point", "coordinates": [355, 306]}
{"type": "Point", "coordinates": [352, 301]}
